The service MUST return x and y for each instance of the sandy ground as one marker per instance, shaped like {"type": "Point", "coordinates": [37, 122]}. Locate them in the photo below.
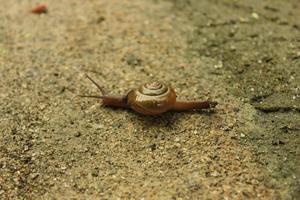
{"type": "Point", "coordinates": [245, 55]}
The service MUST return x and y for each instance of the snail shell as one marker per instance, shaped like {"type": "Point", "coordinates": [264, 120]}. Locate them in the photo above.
{"type": "Point", "coordinates": [152, 98]}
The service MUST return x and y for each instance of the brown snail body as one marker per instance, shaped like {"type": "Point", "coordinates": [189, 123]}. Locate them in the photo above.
{"type": "Point", "coordinates": [151, 99]}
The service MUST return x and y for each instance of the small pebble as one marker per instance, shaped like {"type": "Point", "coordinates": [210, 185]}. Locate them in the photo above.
{"type": "Point", "coordinates": [225, 128]}
{"type": "Point", "coordinates": [95, 172]}
{"type": "Point", "coordinates": [133, 60]}
{"type": "Point", "coordinates": [98, 126]}
{"type": "Point", "coordinates": [214, 174]}
{"type": "Point", "coordinates": [40, 9]}
{"type": "Point", "coordinates": [236, 109]}
{"type": "Point", "coordinates": [152, 147]}
{"type": "Point", "coordinates": [100, 19]}
{"type": "Point", "coordinates": [178, 145]}
{"type": "Point", "coordinates": [77, 134]}
{"type": "Point", "coordinates": [34, 175]}
{"type": "Point", "coordinates": [254, 16]}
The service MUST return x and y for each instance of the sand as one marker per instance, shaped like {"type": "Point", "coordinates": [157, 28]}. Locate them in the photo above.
{"type": "Point", "coordinates": [244, 55]}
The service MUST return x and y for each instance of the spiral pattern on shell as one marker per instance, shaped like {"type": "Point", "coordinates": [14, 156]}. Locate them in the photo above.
{"type": "Point", "coordinates": [152, 98]}
{"type": "Point", "coordinates": [153, 88]}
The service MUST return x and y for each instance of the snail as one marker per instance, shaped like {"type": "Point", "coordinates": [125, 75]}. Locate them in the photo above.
{"type": "Point", "coordinates": [152, 98]}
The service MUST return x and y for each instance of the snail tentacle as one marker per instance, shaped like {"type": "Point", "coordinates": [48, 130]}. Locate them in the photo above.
{"type": "Point", "coordinates": [190, 105]}
{"type": "Point", "coordinates": [107, 100]}
{"type": "Point", "coordinates": [97, 85]}
{"type": "Point", "coordinates": [116, 101]}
